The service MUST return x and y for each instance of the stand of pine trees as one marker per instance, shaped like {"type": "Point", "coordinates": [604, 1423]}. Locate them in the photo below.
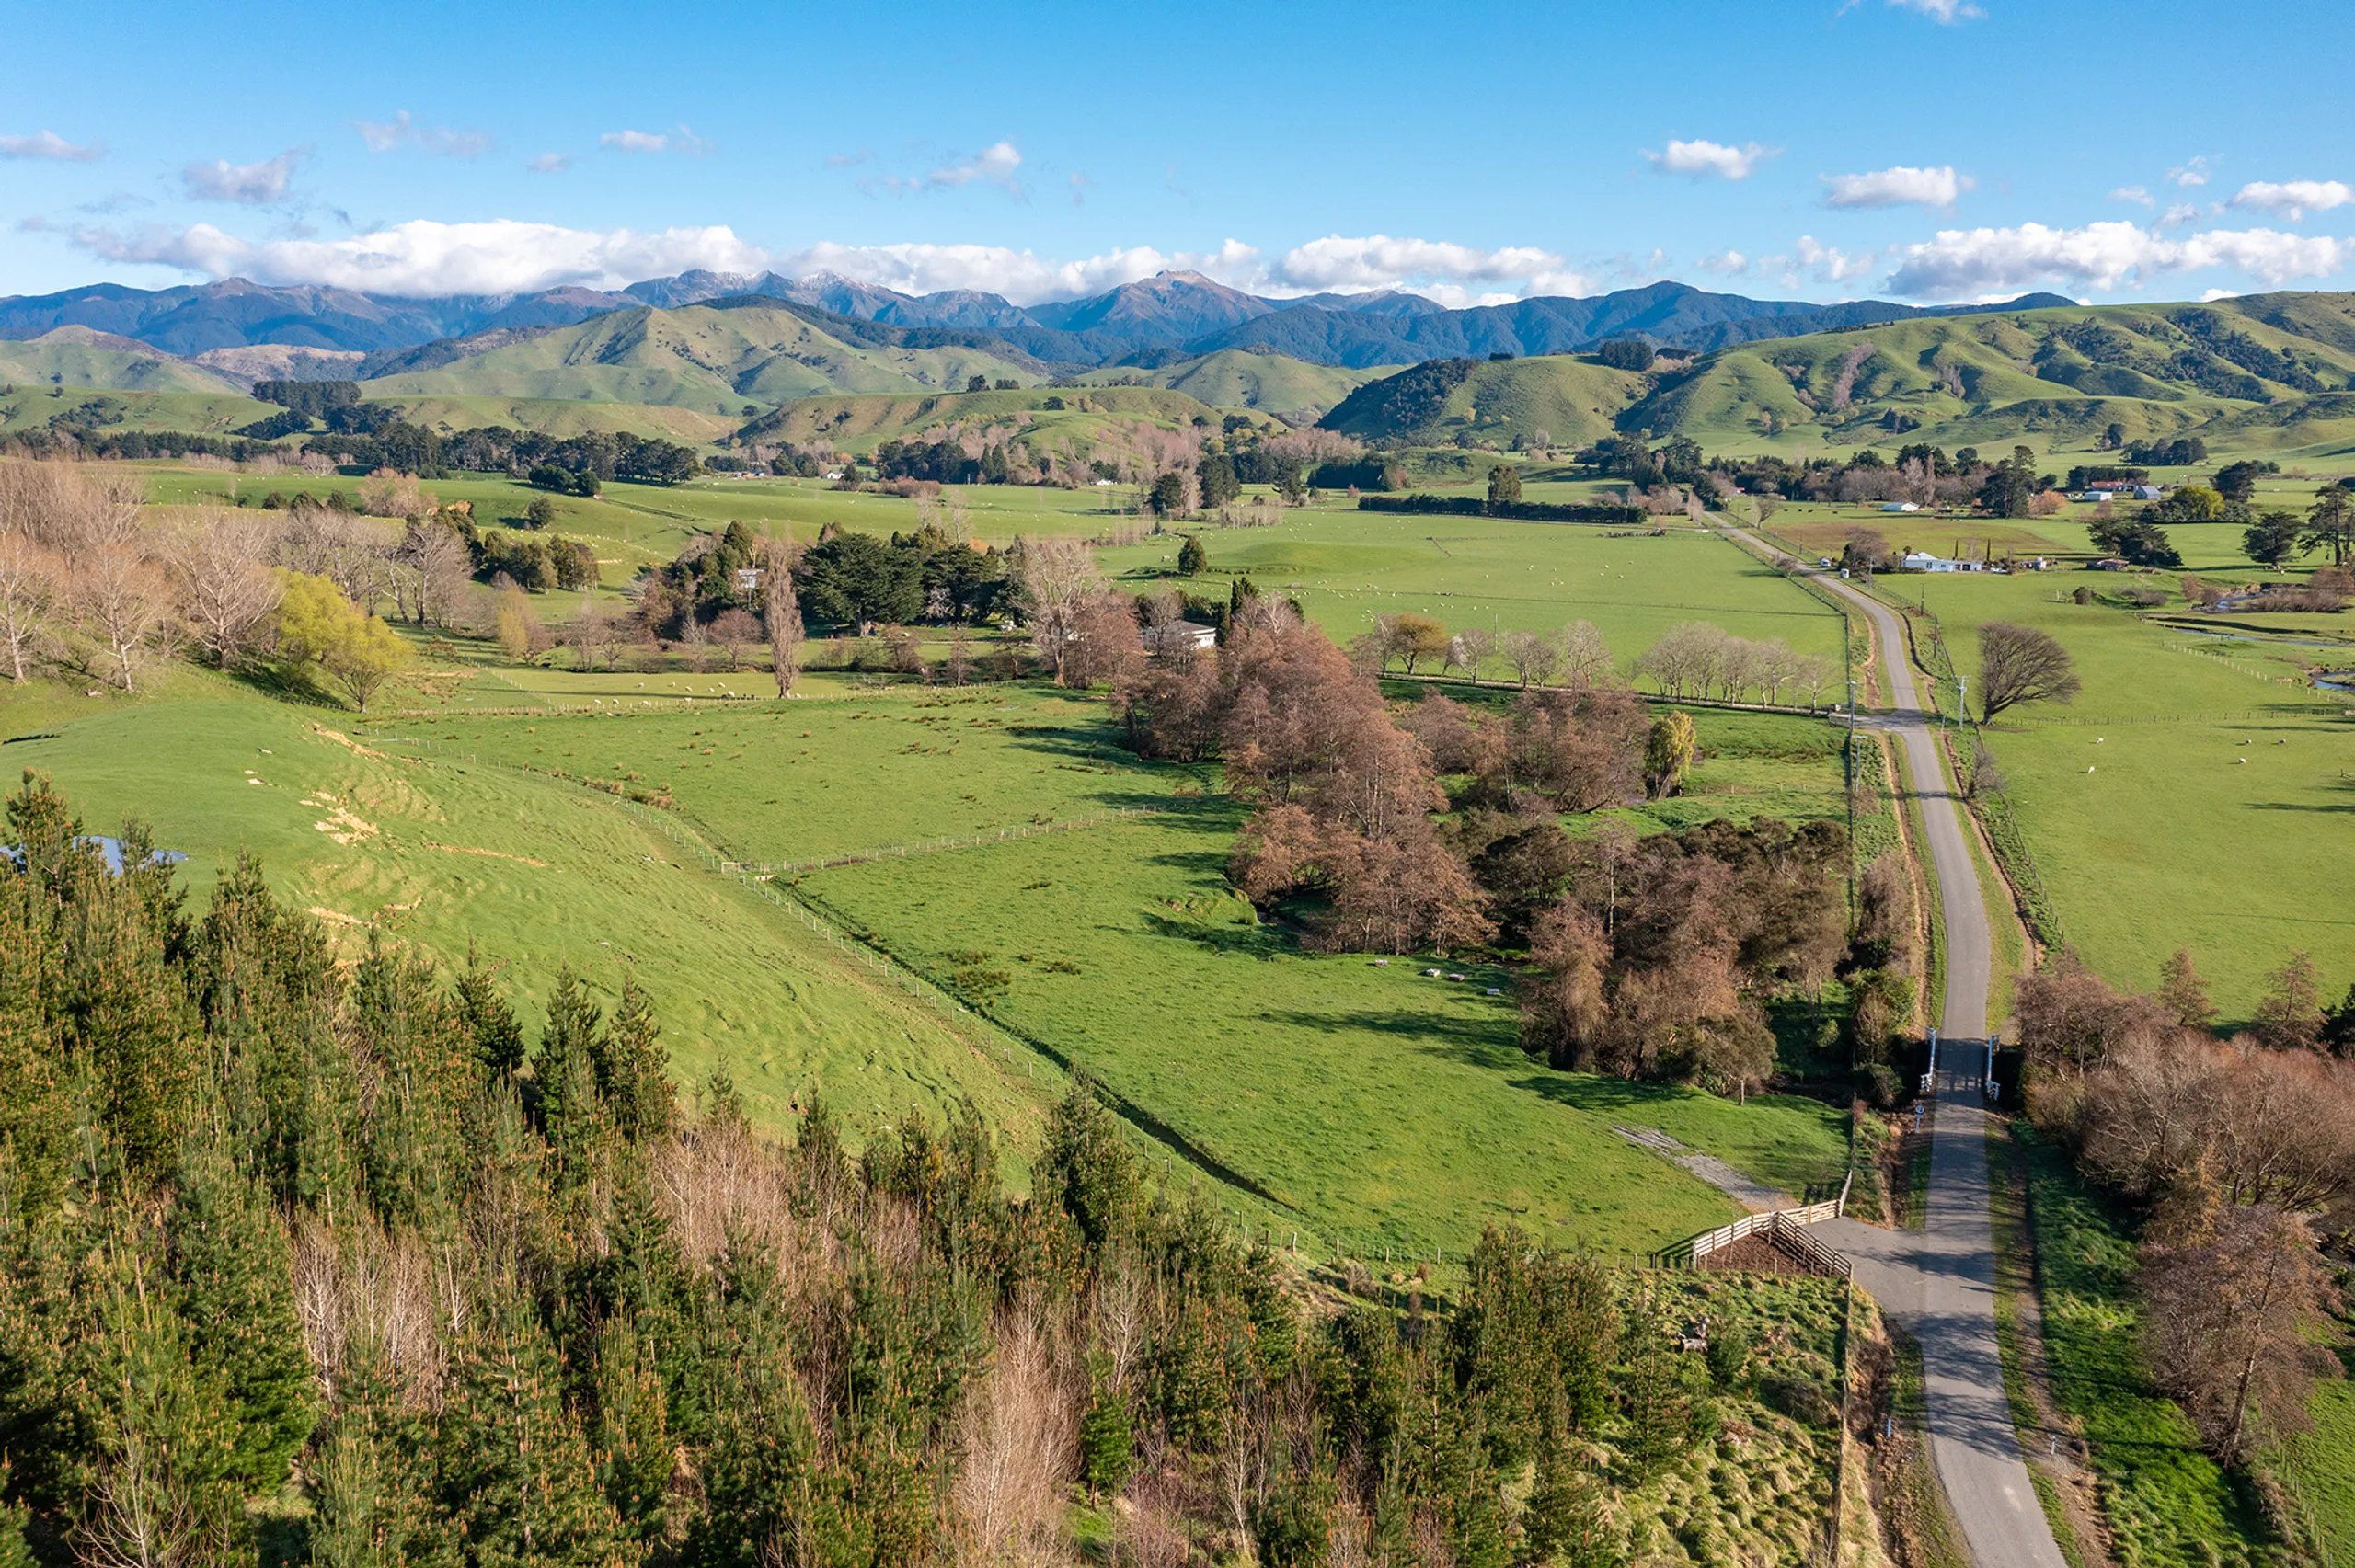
{"type": "Point", "coordinates": [302, 1261]}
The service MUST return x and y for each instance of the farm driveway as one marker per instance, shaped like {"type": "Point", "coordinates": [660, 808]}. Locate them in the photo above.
{"type": "Point", "coordinates": [1940, 1282]}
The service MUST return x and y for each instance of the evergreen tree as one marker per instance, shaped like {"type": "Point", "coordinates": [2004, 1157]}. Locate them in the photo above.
{"type": "Point", "coordinates": [637, 1091]}
{"type": "Point", "coordinates": [233, 1282]}
{"type": "Point", "coordinates": [566, 1071]}
{"type": "Point", "coordinates": [491, 1022]}
{"type": "Point", "coordinates": [371, 1476]}
{"type": "Point", "coordinates": [515, 1480]}
{"type": "Point", "coordinates": [1107, 1439]}
{"type": "Point", "coordinates": [1086, 1167]}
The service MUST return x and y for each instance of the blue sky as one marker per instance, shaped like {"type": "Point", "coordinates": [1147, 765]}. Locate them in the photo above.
{"type": "Point", "coordinates": [1915, 149]}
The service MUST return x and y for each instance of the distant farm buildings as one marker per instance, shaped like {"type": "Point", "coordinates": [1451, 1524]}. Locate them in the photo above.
{"type": "Point", "coordinates": [1179, 637]}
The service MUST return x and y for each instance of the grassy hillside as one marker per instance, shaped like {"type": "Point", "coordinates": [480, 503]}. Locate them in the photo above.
{"type": "Point", "coordinates": [538, 872]}
{"type": "Point", "coordinates": [859, 424]}
{"type": "Point", "coordinates": [1363, 1099]}
{"type": "Point", "coordinates": [559, 416]}
{"type": "Point", "coordinates": [2265, 373]}
{"type": "Point", "coordinates": [714, 361]}
{"type": "Point", "coordinates": [1237, 378]}
{"type": "Point", "coordinates": [204, 413]}
{"type": "Point", "coordinates": [60, 359]}
{"type": "Point", "coordinates": [1572, 400]}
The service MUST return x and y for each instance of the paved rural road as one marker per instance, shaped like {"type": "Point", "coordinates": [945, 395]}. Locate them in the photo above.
{"type": "Point", "coordinates": [1939, 1282]}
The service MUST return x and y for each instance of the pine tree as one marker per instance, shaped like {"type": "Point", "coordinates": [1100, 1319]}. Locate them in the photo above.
{"type": "Point", "coordinates": [515, 1478]}
{"type": "Point", "coordinates": [639, 1099]}
{"type": "Point", "coordinates": [370, 1482]}
{"type": "Point", "coordinates": [765, 1492]}
{"type": "Point", "coordinates": [491, 1022]}
{"type": "Point", "coordinates": [233, 1286]}
{"type": "Point", "coordinates": [632, 1440]}
{"type": "Point", "coordinates": [566, 1071]}
{"type": "Point", "coordinates": [1106, 1441]}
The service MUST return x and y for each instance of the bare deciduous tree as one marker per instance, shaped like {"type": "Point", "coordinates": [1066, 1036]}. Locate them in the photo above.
{"type": "Point", "coordinates": [781, 612]}
{"type": "Point", "coordinates": [226, 591]}
{"type": "Point", "coordinates": [30, 578]}
{"type": "Point", "coordinates": [2235, 1304]}
{"type": "Point", "coordinates": [1586, 656]}
{"type": "Point", "coordinates": [1057, 572]}
{"type": "Point", "coordinates": [732, 631]}
{"type": "Point", "coordinates": [2019, 664]}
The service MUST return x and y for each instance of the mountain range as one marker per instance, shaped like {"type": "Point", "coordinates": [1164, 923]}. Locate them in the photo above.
{"type": "Point", "coordinates": [1149, 324]}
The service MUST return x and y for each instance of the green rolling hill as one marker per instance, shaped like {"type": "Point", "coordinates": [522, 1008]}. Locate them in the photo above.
{"type": "Point", "coordinates": [2272, 373]}
{"type": "Point", "coordinates": [1239, 378]}
{"type": "Point", "coordinates": [858, 424]}
{"type": "Point", "coordinates": [1567, 399]}
{"type": "Point", "coordinates": [712, 361]}
{"type": "Point", "coordinates": [78, 357]}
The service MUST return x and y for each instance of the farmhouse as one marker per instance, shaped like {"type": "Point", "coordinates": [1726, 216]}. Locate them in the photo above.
{"type": "Point", "coordinates": [1179, 637]}
{"type": "Point", "coordinates": [1923, 561]}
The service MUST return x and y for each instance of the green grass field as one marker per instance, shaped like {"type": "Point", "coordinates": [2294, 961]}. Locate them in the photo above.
{"type": "Point", "coordinates": [2165, 1501]}
{"type": "Point", "coordinates": [1138, 917]}
{"type": "Point", "coordinates": [2320, 1463]}
{"type": "Point", "coordinates": [1347, 567]}
{"type": "Point", "coordinates": [540, 873]}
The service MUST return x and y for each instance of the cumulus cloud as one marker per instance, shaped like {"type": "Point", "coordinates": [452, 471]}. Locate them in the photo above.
{"type": "Point", "coordinates": [2190, 172]}
{"type": "Point", "coordinates": [1830, 265]}
{"type": "Point", "coordinates": [402, 130]}
{"type": "Point", "coordinates": [50, 147]}
{"type": "Point", "coordinates": [2293, 198]}
{"type": "Point", "coordinates": [1354, 263]}
{"type": "Point", "coordinates": [1709, 158]}
{"type": "Point", "coordinates": [1964, 263]}
{"type": "Point", "coordinates": [508, 256]}
{"type": "Point", "coordinates": [422, 258]}
{"type": "Point", "coordinates": [550, 162]}
{"type": "Point", "coordinates": [1897, 185]}
{"type": "Point", "coordinates": [252, 185]}
{"type": "Point", "coordinates": [1725, 263]}
{"type": "Point", "coordinates": [2134, 193]}
{"type": "Point", "coordinates": [850, 159]}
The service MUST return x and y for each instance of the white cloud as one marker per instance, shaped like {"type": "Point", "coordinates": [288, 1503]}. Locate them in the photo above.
{"type": "Point", "coordinates": [2134, 193]}
{"type": "Point", "coordinates": [252, 185]}
{"type": "Point", "coordinates": [2179, 215]}
{"type": "Point", "coordinates": [1946, 13]}
{"type": "Point", "coordinates": [1960, 263]}
{"type": "Point", "coordinates": [993, 165]}
{"type": "Point", "coordinates": [1703, 158]}
{"type": "Point", "coordinates": [2190, 172]}
{"type": "Point", "coordinates": [1831, 266]}
{"type": "Point", "coordinates": [550, 162]}
{"type": "Point", "coordinates": [2209, 296]}
{"type": "Point", "coordinates": [1338, 263]}
{"type": "Point", "coordinates": [508, 256]}
{"type": "Point", "coordinates": [2293, 198]}
{"type": "Point", "coordinates": [678, 138]}
{"type": "Point", "coordinates": [51, 146]}
{"type": "Point", "coordinates": [1899, 186]}
{"type": "Point", "coordinates": [422, 258]}
{"type": "Point", "coordinates": [1724, 263]}
{"type": "Point", "coordinates": [402, 130]}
